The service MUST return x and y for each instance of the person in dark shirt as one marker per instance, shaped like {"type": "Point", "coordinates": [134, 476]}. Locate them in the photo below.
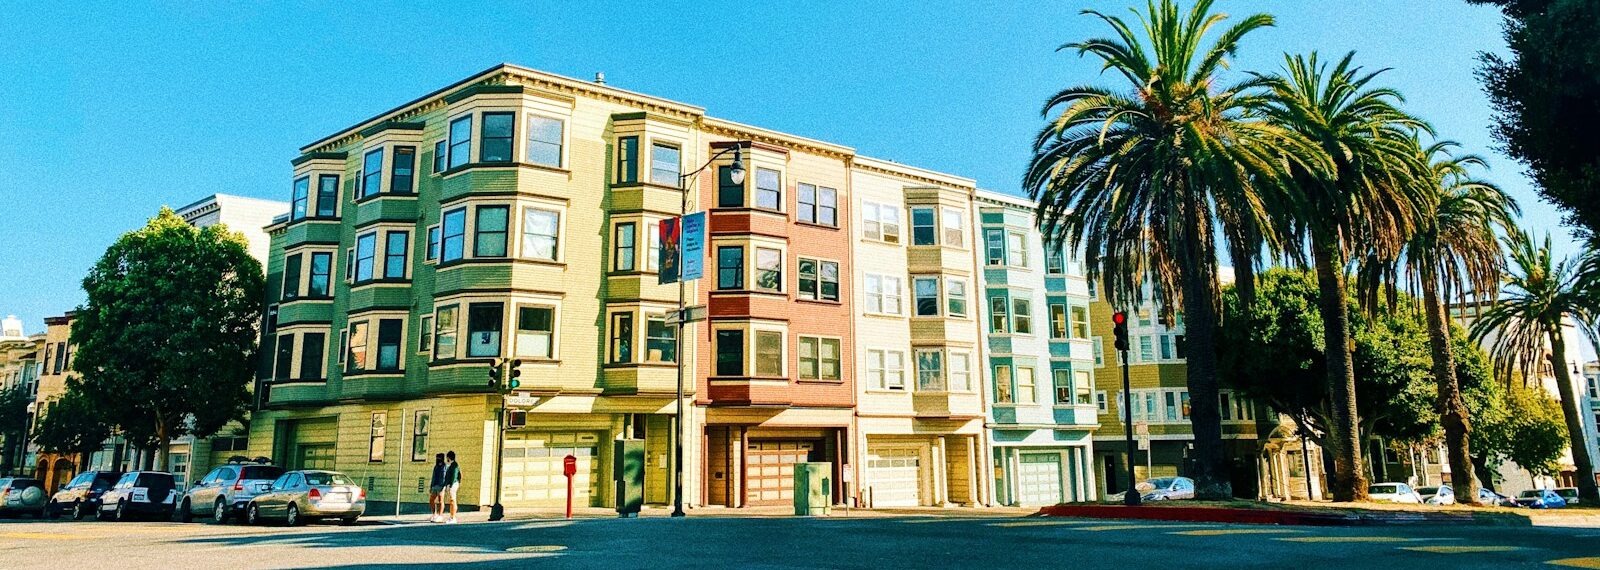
{"type": "Point", "coordinates": [452, 483]}
{"type": "Point", "coordinates": [436, 489]}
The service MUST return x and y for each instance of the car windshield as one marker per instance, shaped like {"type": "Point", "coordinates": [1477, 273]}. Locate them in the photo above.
{"type": "Point", "coordinates": [1535, 493]}
{"type": "Point", "coordinates": [1428, 490]}
{"type": "Point", "coordinates": [1383, 489]}
{"type": "Point", "coordinates": [319, 479]}
{"type": "Point", "coordinates": [1153, 484]}
{"type": "Point", "coordinates": [1567, 493]}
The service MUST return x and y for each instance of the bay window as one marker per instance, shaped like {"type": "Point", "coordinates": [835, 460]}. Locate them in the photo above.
{"type": "Point", "coordinates": [390, 337]}
{"type": "Point", "coordinates": [396, 248]}
{"type": "Point", "coordinates": [666, 163]}
{"type": "Point", "coordinates": [622, 246]}
{"type": "Point", "coordinates": [960, 372]}
{"type": "Point", "coordinates": [402, 175]}
{"type": "Point", "coordinates": [327, 195]}
{"type": "Point", "coordinates": [1027, 389]}
{"type": "Point", "coordinates": [371, 173]}
{"type": "Point", "coordinates": [627, 160]}
{"type": "Point", "coordinates": [1021, 316]}
{"type": "Point", "coordinates": [498, 130]}
{"type": "Point", "coordinates": [999, 322]}
{"type": "Point", "coordinates": [925, 291]}
{"type": "Point", "coordinates": [923, 227]}
{"type": "Point", "coordinates": [951, 223]}
{"type": "Point", "coordinates": [454, 235]}
{"type": "Point", "coordinates": [956, 296]}
{"type": "Point", "coordinates": [366, 252]}
{"type": "Point", "coordinates": [484, 322]}
{"type": "Point", "coordinates": [461, 141]}
{"type": "Point", "coordinates": [769, 269]}
{"type": "Point", "coordinates": [730, 267]}
{"type": "Point", "coordinates": [994, 242]}
{"type": "Point", "coordinates": [544, 140]}
{"type": "Point", "coordinates": [535, 332]}
{"type": "Point", "coordinates": [730, 352]}
{"type": "Point", "coordinates": [356, 361]}
{"type": "Point", "coordinates": [291, 277]}
{"type": "Point", "coordinates": [1016, 250]}
{"type": "Point", "coordinates": [444, 332]}
{"type": "Point", "coordinates": [621, 338]}
{"type": "Point", "coordinates": [769, 189]}
{"type": "Point", "coordinates": [661, 340]}
{"type": "Point", "coordinates": [769, 353]}
{"type": "Point", "coordinates": [321, 270]}
{"type": "Point", "coordinates": [1002, 384]}
{"type": "Point", "coordinates": [930, 370]}
{"type": "Point", "coordinates": [297, 201]}
{"type": "Point", "coordinates": [489, 231]}
{"type": "Point", "coordinates": [540, 233]}
{"type": "Point", "coordinates": [312, 345]}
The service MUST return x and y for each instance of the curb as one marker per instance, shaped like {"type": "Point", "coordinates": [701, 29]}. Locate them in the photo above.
{"type": "Point", "coordinates": [1262, 516]}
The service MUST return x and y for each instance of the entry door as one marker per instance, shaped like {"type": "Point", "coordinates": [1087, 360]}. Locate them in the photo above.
{"type": "Point", "coordinates": [533, 469]}
{"type": "Point", "coordinates": [1039, 482]}
{"type": "Point", "coordinates": [895, 476]}
{"type": "Point", "coordinates": [769, 472]}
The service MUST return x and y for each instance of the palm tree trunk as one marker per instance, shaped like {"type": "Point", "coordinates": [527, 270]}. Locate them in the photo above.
{"type": "Point", "coordinates": [1452, 411]}
{"type": "Point", "coordinates": [1587, 490]}
{"type": "Point", "coordinates": [1349, 481]}
{"type": "Point", "coordinates": [1200, 300]}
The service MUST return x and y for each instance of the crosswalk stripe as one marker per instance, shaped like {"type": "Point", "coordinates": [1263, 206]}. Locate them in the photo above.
{"type": "Point", "coordinates": [1461, 549]}
{"type": "Point", "coordinates": [1590, 562]}
{"type": "Point", "coordinates": [1223, 531]}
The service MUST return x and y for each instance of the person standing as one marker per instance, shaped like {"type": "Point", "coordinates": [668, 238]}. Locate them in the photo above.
{"type": "Point", "coordinates": [436, 489]}
{"type": "Point", "coordinates": [452, 483]}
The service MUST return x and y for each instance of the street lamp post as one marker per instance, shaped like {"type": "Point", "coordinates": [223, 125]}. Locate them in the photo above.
{"type": "Point", "coordinates": [685, 182]}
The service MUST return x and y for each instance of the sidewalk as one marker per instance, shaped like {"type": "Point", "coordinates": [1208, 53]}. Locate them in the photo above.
{"type": "Point", "coordinates": [516, 514]}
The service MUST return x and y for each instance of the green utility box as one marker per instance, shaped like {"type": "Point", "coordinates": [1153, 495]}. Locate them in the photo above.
{"type": "Point", "coordinates": [813, 489]}
{"type": "Point", "coordinates": [629, 471]}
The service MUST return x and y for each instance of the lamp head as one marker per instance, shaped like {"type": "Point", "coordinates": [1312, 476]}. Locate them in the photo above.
{"type": "Point", "coordinates": [736, 171]}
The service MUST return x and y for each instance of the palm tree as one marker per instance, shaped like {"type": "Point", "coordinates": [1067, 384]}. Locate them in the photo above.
{"type": "Point", "coordinates": [1454, 253]}
{"type": "Point", "coordinates": [1539, 296]}
{"type": "Point", "coordinates": [1139, 176]}
{"type": "Point", "coordinates": [1366, 202]}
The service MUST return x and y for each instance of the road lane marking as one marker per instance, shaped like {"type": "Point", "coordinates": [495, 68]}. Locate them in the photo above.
{"type": "Point", "coordinates": [1348, 539]}
{"type": "Point", "coordinates": [537, 548]}
{"type": "Point", "coordinates": [1036, 523]}
{"type": "Point", "coordinates": [1138, 527]}
{"type": "Point", "coordinates": [1462, 549]}
{"type": "Point", "coordinates": [1223, 531]}
{"type": "Point", "coordinates": [1591, 562]}
{"type": "Point", "coordinates": [41, 535]}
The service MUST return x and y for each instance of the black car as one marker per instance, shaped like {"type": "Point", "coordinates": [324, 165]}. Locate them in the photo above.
{"type": "Point", "coordinates": [81, 496]}
{"type": "Point", "coordinates": [139, 493]}
{"type": "Point", "coordinates": [22, 495]}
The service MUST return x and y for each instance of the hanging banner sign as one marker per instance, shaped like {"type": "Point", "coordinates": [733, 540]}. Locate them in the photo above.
{"type": "Point", "coordinates": [692, 238]}
{"type": "Point", "coordinates": [668, 259]}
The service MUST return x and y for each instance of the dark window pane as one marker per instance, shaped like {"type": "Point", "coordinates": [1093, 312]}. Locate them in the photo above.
{"type": "Point", "coordinates": [498, 129]}
{"type": "Point", "coordinates": [311, 347]}
{"type": "Point", "coordinates": [389, 340]}
{"type": "Point", "coordinates": [483, 329]}
{"type": "Point", "coordinates": [729, 195]}
{"type": "Point", "coordinates": [291, 277]}
{"type": "Point", "coordinates": [285, 357]}
{"type": "Point", "coordinates": [490, 240]}
{"type": "Point", "coordinates": [404, 169]}
{"type": "Point", "coordinates": [372, 173]}
{"type": "Point", "coordinates": [730, 353]}
{"type": "Point", "coordinates": [327, 195]}
{"type": "Point", "coordinates": [730, 267]}
{"type": "Point", "coordinates": [628, 159]}
{"type": "Point", "coordinates": [321, 268]}
{"type": "Point", "coordinates": [394, 255]}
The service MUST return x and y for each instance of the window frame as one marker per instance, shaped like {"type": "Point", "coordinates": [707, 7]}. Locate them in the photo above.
{"type": "Point", "coordinates": [624, 252]}
{"type": "Point", "coordinates": [931, 227]}
{"type": "Point", "coordinates": [454, 145]}
{"type": "Point", "coordinates": [675, 174]}
{"type": "Point", "coordinates": [819, 358]}
{"type": "Point", "coordinates": [478, 231]}
{"type": "Point", "coordinates": [527, 237]}
{"type": "Point", "coordinates": [560, 144]}
{"type": "Point", "coordinates": [499, 328]}
{"type": "Point", "coordinates": [403, 171]}
{"type": "Point", "coordinates": [818, 277]}
{"type": "Point", "coordinates": [371, 181]}
{"type": "Point", "coordinates": [327, 203]}
{"type": "Point", "coordinates": [300, 198]}
{"type": "Point", "coordinates": [509, 139]}
{"type": "Point", "coordinates": [445, 237]}
{"type": "Point", "coordinates": [628, 159]}
{"type": "Point", "coordinates": [761, 194]}
{"type": "Point", "coordinates": [391, 259]}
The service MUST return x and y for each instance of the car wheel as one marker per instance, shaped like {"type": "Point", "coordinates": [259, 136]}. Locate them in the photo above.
{"type": "Point", "coordinates": [122, 511]}
{"type": "Point", "coordinates": [252, 514]}
{"type": "Point", "coordinates": [79, 511]}
{"type": "Point", "coordinates": [219, 513]}
{"type": "Point", "coordinates": [52, 510]}
{"type": "Point", "coordinates": [185, 514]}
{"type": "Point", "coordinates": [347, 521]}
{"type": "Point", "coordinates": [291, 517]}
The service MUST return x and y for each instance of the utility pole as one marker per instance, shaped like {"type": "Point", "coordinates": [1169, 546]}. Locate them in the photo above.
{"type": "Point", "coordinates": [502, 379]}
{"type": "Point", "coordinates": [1131, 496]}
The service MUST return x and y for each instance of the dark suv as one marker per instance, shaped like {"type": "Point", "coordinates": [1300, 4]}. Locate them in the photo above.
{"type": "Point", "coordinates": [81, 496]}
{"type": "Point", "coordinates": [226, 490]}
{"type": "Point", "coordinates": [139, 493]}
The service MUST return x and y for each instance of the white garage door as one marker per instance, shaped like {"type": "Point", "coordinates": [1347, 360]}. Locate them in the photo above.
{"type": "Point", "coordinates": [533, 473]}
{"type": "Point", "coordinates": [895, 476]}
{"type": "Point", "coordinates": [1039, 481]}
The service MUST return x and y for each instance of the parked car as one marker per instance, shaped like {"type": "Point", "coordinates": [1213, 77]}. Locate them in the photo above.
{"type": "Point", "coordinates": [1394, 493]}
{"type": "Point", "coordinates": [299, 496]}
{"type": "Point", "coordinates": [1491, 498]}
{"type": "Point", "coordinates": [81, 495]}
{"type": "Point", "coordinates": [1541, 499]}
{"type": "Point", "coordinates": [1160, 489]}
{"type": "Point", "coordinates": [22, 495]}
{"type": "Point", "coordinates": [226, 490]}
{"type": "Point", "coordinates": [1441, 495]}
{"type": "Point", "coordinates": [139, 493]}
{"type": "Point", "coordinates": [1568, 494]}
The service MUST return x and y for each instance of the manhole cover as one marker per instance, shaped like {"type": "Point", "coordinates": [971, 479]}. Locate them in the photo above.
{"type": "Point", "coordinates": [539, 548]}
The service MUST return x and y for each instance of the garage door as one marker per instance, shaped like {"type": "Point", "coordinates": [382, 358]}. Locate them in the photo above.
{"type": "Point", "coordinates": [769, 472]}
{"type": "Point", "coordinates": [895, 476]}
{"type": "Point", "coordinates": [314, 443]}
{"type": "Point", "coordinates": [1039, 480]}
{"type": "Point", "coordinates": [533, 467]}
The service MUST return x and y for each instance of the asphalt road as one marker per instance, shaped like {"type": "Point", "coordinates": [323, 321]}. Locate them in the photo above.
{"type": "Point", "coordinates": [786, 542]}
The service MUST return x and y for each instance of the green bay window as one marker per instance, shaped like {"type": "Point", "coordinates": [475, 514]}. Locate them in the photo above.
{"type": "Point", "coordinates": [627, 160]}
{"type": "Point", "coordinates": [489, 231]}
{"type": "Point", "coordinates": [371, 173]}
{"type": "Point", "coordinates": [321, 270]}
{"type": "Point", "coordinates": [366, 252]}
{"type": "Point", "coordinates": [461, 141]}
{"type": "Point", "coordinates": [327, 195]}
{"type": "Point", "coordinates": [312, 346]}
{"type": "Point", "coordinates": [444, 332]}
{"type": "Point", "coordinates": [402, 175]}
{"type": "Point", "coordinates": [297, 201]}
{"type": "Point", "coordinates": [356, 360]}
{"type": "Point", "coordinates": [454, 235]}
{"type": "Point", "coordinates": [291, 277]}
{"type": "Point", "coordinates": [396, 246]}
{"type": "Point", "coordinates": [390, 337]}
{"type": "Point", "coordinates": [281, 368]}
{"type": "Point", "coordinates": [484, 322]}
{"type": "Point", "coordinates": [494, 140]}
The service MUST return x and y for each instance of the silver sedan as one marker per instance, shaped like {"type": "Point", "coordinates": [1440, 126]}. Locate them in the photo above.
{"type": "Point", "coordinates": [298, 496]}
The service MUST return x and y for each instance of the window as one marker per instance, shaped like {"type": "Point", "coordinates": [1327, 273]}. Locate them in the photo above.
{"type": "Point", "coordinates": [994, 242]}
{"type": "Point", "coordinates": [433, 243]}
{"type": "Point", "coordinates": [960, 372]}
{"type": "Point", "coordinates": [327, 195]}
{"type": "Point", "coordinates": [460, 141]}
{"type": "Point", "coordinates": [396, 245]}
{"type": "Point", "coordinates": [419, 435]}
{"type": "Point", "coordinates": [886, 369]}
{"type": "Point", "coordinates": [880, 222]}
{"type": "Point", "coordinates": [883, 294]}
{"type": "Point", "coordinates": [390, 336]}
{"type": "Point", "coordinates": [627, 160]}
{"type": "Point", "coordinates": [490, 232]}
{"type": "Point", "coordinates": [281, 368]}
{"type": "Point", "coordinates": [1147, 351]}
{"type": "Point", "coordinates": [818, 205]}
{"type": "Point", "coordinates": [1063, 386]}
{"type": "Point", "coordinates": [955, 291]}
{"type": "Point", "coordinates": [402, 174]}
{"type": "Point", "coordinates": [1094, 290]}
{"type": "Point", "coordinates": [769, 269]}
{"type": "Point", "coordinates": [544, 140]}
{"type": "Point", "coordinates": [998, 320]}
{"type": "Point", "coordinates": [623, 246]}
{"type": "Point", "coordinates": [483, 329]}
{"type": "Point", "coordinates": [930, 371]}
{"type": "Point", "coordinates": [440, 149]}
{"type": "Point", "coordinates": [452, 245]}
{"type": "Point", "coordinates": [540, 229]}
{"type": "Point", "coordinates": [1100, 402]}
{"type": "Point", "coordinates": [1080, 322]}
{"type": "Point", "coordinates": [1002, 384]}
{"type": "Point", "coordinates": [1082, 387]}
{"type": "Point", "coordinates": [1055, 261]}
{"type": "Point", "coordinates": [665, 164]}
{"type": "Point", "coordinates": [819, 358]}
{"type": "Point", "coordinates": [1027, 391]}
{"type": "Point", "coordinates": [1099, 352]}
{"type": "Point", "coordinates": [729, 194]}
{"type": "Point", "coordinates": [652, 246]}
{"type": "Point", "coordinates": [297, 201]}
{"type": "Point", "coordinates": [371, 174]}
{"type": "Point", "coordinates": [730, 267]}
{"type": "Point", "coordinates": [1166, 347]}
{"type": "Point", "coordinates": [621, 338]}
{"type": "Point", "coordinates": [379, 436]}
{"type": "Point", "coordinates": [1058, 321]}
{"type": "Point", "coordinates": [1016, 250]}
{"type": "Point", "coordinates": [819, 280]}
{"type": "Point", "coordinates": [660, 339]}
{"type": "Point", "coordinates": [769, 189]}
{"type": "Point", "coordinates": [498, 130]}
{"type": "Point", "coordinates": [925, 292]}
{"type": "Point", "coordinates": [356, 360]}
{"type": "Point", "coordinates": [535, 332]}
{"type": "Point", "coordinates": [291, 277]}
{"type": "Point", "coordinates": [321, 271]}
{"type": "Point", "coordinates": [769, 353]}
{"type": "Point", "coordinates": [923, 231]}
{"type": "Point", "coordinates": [444, 332]}
{"type": "Point", "coordinates": [951, 223]}
{"type": "Point", "coordinates": [1021, 316]}
{"type": "Point", "coordinates": [730, 353]}
{"type": "Point", "coordinates": [425, 334]}
{"type": "Point", "coordinates": [366, 254]}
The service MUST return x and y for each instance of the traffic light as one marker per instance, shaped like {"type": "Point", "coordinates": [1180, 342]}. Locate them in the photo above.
{"type": "Point", "coordinates": [494, 375]}
{"type": "Point", "coordinates": [1120, 319]}
{"type": "Point", "coordinates": [516, 370]}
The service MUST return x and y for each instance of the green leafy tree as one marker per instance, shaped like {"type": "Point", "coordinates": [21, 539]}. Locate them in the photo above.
{"type": "Point", "coordinates": [73, 425]}
{"type": "Point", "coordinates": [1138, 173]}
{"type": "Point", "coordinates": [1526, 325]}
{"type": "Point", "coordinates": [13, 425]}
{"type": "Point", "coordinates": [1454, 254]}
{"type": "Point", "coordinates": [1547, 93]}
{"type": "Point", "coordinates": [1366, 201]}
{"type": "Point", "coordinates": [1510, 422]}
{"type": "Point", "coordinates": [167, 339]}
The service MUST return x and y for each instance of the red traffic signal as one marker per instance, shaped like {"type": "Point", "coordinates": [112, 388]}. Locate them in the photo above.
{"type": "Point", "coordinates": [1119, 317]}
{"type": "Point", "coordinates": [1121, 330]}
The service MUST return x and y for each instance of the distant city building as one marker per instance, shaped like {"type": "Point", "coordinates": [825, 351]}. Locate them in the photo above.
{"type": "Point", "coordinates": [249, 216]}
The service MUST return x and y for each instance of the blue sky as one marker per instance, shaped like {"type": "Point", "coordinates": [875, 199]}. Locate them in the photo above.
{"type": "Point", "coordinates": [107, 112]}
